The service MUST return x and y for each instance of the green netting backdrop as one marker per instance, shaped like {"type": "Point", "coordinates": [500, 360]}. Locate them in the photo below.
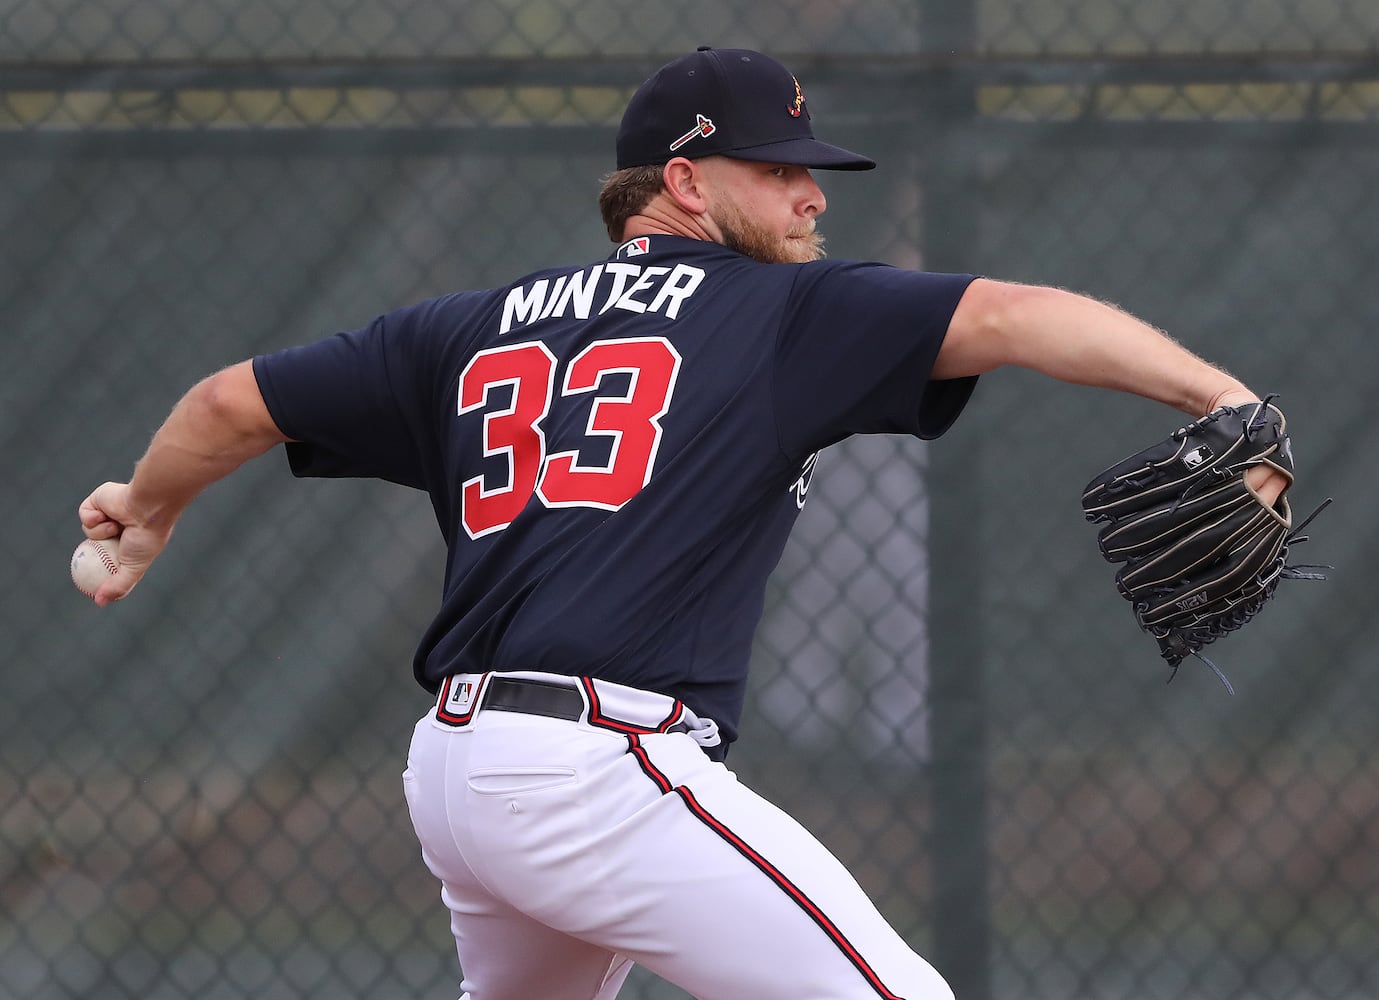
{"type": "Point", "coordinates": [200, 790]}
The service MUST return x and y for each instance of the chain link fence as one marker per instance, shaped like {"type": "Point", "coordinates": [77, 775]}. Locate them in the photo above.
{"type": "Point", "coordinates": [200, 790]}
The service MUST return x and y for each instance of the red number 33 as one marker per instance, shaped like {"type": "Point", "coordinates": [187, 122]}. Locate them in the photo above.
{"type": "Point", "coordinates": [630, 420]}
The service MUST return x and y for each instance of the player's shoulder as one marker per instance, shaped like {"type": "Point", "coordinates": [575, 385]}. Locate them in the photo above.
{"type": "Point", "coordinates": [847, 265]}
{"type": "Point", "coordinates": [839, 275]}
{"type": "Point", "coordinates": [869, 274]}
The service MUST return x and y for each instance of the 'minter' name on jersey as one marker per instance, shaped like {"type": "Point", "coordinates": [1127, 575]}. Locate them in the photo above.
{"type": "Point", "coordinates": [613, 284]}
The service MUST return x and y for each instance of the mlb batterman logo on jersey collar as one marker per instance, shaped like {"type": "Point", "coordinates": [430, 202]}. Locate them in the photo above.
{"type": "Point", "coordinates": [725, 102]}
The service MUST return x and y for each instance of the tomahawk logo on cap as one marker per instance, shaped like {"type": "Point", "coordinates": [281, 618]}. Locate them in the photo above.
{"type": "Point", "coordinates": [704, 126]}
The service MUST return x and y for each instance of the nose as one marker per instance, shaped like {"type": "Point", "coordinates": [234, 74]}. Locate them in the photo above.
{"type": "Point", "coordinates": [814, 202]}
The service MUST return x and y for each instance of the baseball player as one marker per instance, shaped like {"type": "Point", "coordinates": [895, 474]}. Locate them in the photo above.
{"type": "Point", "coordinates": [614, 452]}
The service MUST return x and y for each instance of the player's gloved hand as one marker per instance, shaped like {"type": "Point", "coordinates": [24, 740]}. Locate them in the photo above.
{"type": "Point", "coordinates": [1201, 523]}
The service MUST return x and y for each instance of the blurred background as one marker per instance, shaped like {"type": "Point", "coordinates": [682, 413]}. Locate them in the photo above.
{"type": "Point", "coordinates": [200, 789]}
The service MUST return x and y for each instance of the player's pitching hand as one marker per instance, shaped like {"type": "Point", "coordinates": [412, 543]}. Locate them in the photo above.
{"type": "Point", "coordinates": [106, 514]}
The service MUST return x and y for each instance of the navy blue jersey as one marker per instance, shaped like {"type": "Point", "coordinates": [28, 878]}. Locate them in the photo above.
{"type": "Point", "coordinates": [616, 453]}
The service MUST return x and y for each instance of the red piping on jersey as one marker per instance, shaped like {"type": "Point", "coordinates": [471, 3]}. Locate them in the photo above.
{"type": "Point", "coordinates": [597, 718]}
{"type": "Point", "coordinates": [768, 869]}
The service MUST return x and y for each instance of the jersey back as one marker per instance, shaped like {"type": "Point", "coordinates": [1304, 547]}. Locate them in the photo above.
{"type": "Point", "coordinates": [616, 453]}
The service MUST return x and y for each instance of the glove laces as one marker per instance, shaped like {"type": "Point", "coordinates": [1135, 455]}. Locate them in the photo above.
{"type": "Point", "coordinates": [1248, 609]}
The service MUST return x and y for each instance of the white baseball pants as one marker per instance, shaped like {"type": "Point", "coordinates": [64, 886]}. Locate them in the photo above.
{"type": "Point", "coordinates": [568, 849]}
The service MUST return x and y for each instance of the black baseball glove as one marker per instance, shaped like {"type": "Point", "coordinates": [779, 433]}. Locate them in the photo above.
{"type": "Point", "coordinates": [1201, 552]}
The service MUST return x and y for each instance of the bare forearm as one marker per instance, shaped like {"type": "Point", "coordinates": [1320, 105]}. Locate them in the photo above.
{"type": "Point", "coordinates": [217, 426]}
{"type": "Point", "coordinates": [214, 429]}
{"type": "Point", "coordinates": [1079, 340]}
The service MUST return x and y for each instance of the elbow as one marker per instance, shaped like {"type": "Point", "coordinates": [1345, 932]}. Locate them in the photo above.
{"type": "Point", "coordinates": [231, 400]}
{"type": "Point", "coordinates": [984, 332]}
{"type": "Point", "coordinates": [1005, 307]}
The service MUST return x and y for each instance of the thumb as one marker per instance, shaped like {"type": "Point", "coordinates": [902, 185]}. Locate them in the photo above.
{"type": "Point", "coordinates": [1267, 483]}
{"type": "Point", "coordinates": [138, 547]}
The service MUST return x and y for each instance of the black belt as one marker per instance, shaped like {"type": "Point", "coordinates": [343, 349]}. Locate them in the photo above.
{"type": "Point", "coordinates": [556, 701]}
{"type": "Point", "coordinates": [531, 697]}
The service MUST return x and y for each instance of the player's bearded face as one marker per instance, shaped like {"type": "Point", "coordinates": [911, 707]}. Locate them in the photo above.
{"type": "Point", "coordinates": [800, 244]}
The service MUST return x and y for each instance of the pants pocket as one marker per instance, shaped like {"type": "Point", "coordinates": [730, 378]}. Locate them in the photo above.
{"type": "Point", "coordinates": [507, 780]}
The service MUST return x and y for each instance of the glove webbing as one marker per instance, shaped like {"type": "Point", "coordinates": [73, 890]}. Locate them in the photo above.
{"type": "Point", "coordinates": [1221, 626]}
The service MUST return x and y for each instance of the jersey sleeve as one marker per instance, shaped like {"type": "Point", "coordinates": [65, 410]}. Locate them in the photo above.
{"type": "Point", "coordinates": [360, 404]}
{"type": "Point", "coordinates": [856, 350]}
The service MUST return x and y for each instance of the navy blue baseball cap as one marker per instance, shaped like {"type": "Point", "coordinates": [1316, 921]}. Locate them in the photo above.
{"type": "Point", "coordinates": [725, 102]}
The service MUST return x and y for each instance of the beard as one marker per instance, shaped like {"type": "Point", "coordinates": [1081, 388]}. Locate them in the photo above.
{"type": "Point", "coordinates": [740, 233]}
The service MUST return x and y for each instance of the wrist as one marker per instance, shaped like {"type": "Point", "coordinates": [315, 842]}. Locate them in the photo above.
{"type": "Point", "coordinates": [1235, 395]}
{"type": "Point", "coordinates": [150, 515]}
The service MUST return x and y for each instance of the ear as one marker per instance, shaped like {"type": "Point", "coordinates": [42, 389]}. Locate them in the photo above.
{"type": "Point", "coordinates": [684, 182]}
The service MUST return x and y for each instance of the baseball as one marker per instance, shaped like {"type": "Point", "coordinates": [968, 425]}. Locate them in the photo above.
{"type": "Point", "coordinates": [94, 562]}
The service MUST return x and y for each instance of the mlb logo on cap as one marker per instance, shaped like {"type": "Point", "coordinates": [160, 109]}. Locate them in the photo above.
{"type": "Point", "coordinates": [725, 102]}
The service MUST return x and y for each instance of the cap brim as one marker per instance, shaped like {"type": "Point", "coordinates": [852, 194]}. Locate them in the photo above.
{"type": "Point", "coordinates": [805, 153]}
